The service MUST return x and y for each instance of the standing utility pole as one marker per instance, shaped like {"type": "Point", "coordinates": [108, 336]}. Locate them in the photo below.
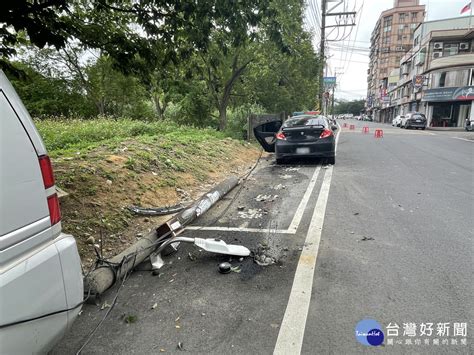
{"type": "Point", "coordinates": [321, 54]}
{"type": "Point", "coordinates": [346, 17]}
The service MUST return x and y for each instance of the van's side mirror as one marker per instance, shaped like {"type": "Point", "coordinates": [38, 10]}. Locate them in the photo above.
{"type": "Point", "coordinates": [333, 127]}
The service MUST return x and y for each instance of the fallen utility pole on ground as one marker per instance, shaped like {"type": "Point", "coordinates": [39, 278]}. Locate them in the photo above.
{"type": "Point", "coordinates": [111, 270]}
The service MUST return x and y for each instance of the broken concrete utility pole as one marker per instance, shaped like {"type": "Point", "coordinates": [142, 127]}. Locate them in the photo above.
{"type": "Point", "coordinates": [105, 275]}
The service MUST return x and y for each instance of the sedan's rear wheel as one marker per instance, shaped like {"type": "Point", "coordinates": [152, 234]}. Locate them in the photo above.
{"type": "Point", "coordinates": [332, 160]}
{"type": "Point", "coordinates": [279, 161]}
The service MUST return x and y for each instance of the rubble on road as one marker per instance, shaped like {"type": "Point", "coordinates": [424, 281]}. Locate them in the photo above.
{"type": "Point", "coordinates": [251, 213]}
{"type": "Point", "coordinates": [266, 198]}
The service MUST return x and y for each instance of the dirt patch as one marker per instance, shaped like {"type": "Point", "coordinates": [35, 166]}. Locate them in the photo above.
{"type": "Point", "coordinates": [102, 183]}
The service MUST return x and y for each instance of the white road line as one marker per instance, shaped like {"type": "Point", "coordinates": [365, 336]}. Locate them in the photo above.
{"type": "Point", "coordinates": [464, 139]}
{"type": "Point", "coordinates": [238, 229]}
{"type": "Point", "coordinates": [290, 337]}
{"type": "Point", "coordinates": [295, 222]}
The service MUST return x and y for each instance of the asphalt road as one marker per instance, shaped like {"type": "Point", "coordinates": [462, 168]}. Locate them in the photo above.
{"type": "Point", "coordinates": [387, 233]}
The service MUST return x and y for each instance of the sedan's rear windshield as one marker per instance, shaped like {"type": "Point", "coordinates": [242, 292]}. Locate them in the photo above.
{"type": "Point", "coordinates": [418, 116]}
{"type": "Point", "coordinates": [305, 121]}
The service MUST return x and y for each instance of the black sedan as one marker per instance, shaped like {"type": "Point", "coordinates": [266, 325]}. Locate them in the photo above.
{"type": "Point", "coordinates": [309, 136]}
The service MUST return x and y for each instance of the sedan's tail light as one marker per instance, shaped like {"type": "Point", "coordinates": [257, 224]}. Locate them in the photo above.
{"type": "Point", "coordinates": [326, 133]}
{"type": "Point", "coordinates": [281, 136]}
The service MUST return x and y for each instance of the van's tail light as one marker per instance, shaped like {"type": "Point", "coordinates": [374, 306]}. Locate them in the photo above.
{"type": "Point", "coordinates": [326, 133]}
{"type": "Point", "coordinates": [281, 136]}
{"type": "Point", "coordinates": [48, 180]}
{"type": "Point", "coordinates": [54, 211]}
{"type": "Point", "coordinates": [46, 171]}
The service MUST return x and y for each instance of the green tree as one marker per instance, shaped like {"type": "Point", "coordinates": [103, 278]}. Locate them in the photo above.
{"type": "Point", "coordinates": [355, 106]}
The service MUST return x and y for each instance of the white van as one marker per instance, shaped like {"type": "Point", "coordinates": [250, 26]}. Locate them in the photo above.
{"type": "Point", "coordinates": [41, 288]}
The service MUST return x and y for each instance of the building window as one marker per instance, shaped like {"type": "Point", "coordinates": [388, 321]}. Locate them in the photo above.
{"type": "Point", "coordinates": [414, 16]}
{"type": "Point", "coordinates": [401, 28]}
{"type": "Point", "coordinates": [450, 49]}
{"type": "Point", "coordinates": [387, 24]}
{"type": "Point", "coordinates": [417, 40]}
{"type": "Point", "coordinates": [399, 38]}
{"type": "Point", "coordinates": [402, 16]}
{"type": "Point", "coordinates": [442, 80]}
{"type": "Point", "coordinates": [454, 78]}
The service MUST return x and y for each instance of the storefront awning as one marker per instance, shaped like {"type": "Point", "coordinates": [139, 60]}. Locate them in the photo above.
{"type": "Point", "coordinates": [465, 93]}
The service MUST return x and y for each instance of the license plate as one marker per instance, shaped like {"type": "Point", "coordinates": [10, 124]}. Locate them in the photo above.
{"type": "Point", "coordinates": [302, 150]}
{"type": "Point", "coordinates": [417, 120]}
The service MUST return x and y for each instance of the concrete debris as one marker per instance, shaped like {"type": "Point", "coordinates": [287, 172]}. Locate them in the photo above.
{"type": "Point", "coordinates": [241, 208]}
{"type": "Point", "coordinates": [180, 346]}
{"type": "Point", "coordinates": [279, 187]}
{"type": "Point", "coordinates": [286, 177]}
{"type": "Point", "coordinates": [264, 260]}
{"type": "Point", "coordinates": [154, 306]}
{"type": "Point", "coordinates": [105, 305]}
{"type": "Point", "coordinates": [90, 240]}
{"type": "Point", "coordinates": [156, 261]}
{"type": "Point", "coordinates": [251, 213]}
{"type": "Point", "coordinates": [292, 169]}
{"type": "Point", "coordinates": [263, 198]}
{"type": "Point", "coordinates": [366, 238]}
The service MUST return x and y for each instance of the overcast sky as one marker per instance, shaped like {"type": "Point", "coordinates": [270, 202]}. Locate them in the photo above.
{"type": "Point", "coordinates": [352, 84]}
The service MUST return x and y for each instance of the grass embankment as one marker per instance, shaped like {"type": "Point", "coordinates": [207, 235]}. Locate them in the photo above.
{"type": "Point", "coordinates": [107, 165]}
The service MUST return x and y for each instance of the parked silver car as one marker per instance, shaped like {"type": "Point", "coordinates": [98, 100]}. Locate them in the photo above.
{"type": "Point", "coordinates": [413, 120]}
{"type": "Point", "coordinates": [41, 289]}
{"type": "Point", "coordinates": [397, 120]}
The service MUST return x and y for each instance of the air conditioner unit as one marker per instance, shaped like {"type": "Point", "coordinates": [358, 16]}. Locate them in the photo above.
{"type": "Point", "coordinates": [437, 55]}
{"type": "Point", "coordinates": [464, 46]}
{"type": "Point", "coordinates": [438, 45]}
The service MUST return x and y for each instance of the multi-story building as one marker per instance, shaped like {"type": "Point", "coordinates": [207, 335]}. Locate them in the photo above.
{"type": "Point", "coordinates": [391, 38]}
{"type": "Point", "coordinates": [437, 74]}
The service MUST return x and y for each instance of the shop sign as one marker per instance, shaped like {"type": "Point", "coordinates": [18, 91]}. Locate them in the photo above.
{"type": "Point", "coordinates": [449, 94]}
